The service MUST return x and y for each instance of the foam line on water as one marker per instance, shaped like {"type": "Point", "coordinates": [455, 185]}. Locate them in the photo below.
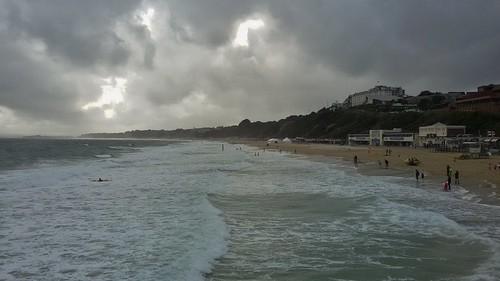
{"type": "Point", "coordinates": [51, 210]}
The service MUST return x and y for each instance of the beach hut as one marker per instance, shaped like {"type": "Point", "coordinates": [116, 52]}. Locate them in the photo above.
{"type": "Point", "coordinates": [287, 140]}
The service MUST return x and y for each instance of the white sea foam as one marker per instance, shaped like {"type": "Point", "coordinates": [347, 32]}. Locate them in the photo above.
{"type": "Point", "coordinates": [155, 220]}
{"type": "Point", "coordinates": [149, 222]}
{"type": "Point", "coordinates": [103, 155]}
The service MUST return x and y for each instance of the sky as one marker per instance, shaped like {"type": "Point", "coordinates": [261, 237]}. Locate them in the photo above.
{"type": "Point", "coordinates": [69, 67]}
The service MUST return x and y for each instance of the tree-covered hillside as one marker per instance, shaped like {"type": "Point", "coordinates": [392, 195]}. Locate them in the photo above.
{"type": "Point", "coordinates": [327, 124]}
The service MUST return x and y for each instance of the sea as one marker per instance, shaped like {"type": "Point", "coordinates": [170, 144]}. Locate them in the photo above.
{"type": "Point", "coordinates": [191, 210]}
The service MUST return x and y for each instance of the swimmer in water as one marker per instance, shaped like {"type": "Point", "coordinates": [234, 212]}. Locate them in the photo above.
{"type": "Point", "coordinates": [100, 180]}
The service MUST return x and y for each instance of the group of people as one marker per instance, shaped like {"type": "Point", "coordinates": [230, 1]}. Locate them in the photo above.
{"type": "Point", "coordinates": [386, 163]}
{"type": "Point", "coordinates": [355, 160]}
{"type": "Point", "coordinates": [494, 166]}
{"type": "Point", "coordinates": [419, 174]}
{"type": "Point", "coordinates": [449, 174]}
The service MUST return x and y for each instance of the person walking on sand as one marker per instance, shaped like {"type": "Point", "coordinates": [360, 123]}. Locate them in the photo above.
{"type": "Point", "coordinates": [449, 183]}
{"type": "Point", "coordinates": [457, 177]}
{"type": "Point", "coordinates": [356, 160]}
{"type": "Point", "coordinates": [422, 175]}
{"type": "Point", "coordinates": [417, 174]}
{"type": "Point", "coordinates": [386, 163]}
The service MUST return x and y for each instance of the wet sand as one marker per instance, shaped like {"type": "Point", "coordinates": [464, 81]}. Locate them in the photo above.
{"type": "Point", "coordinates": [475, 174]}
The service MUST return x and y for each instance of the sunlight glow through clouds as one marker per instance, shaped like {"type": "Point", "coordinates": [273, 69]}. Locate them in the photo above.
{"type": "Point", "coordinates": [241, 39]}
{"type": "Point", "coordinates": [146, 18]}
{"type": "Point", "coordinates": [112, 92]}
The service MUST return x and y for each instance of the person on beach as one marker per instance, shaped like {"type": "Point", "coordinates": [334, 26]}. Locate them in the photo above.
{"type": "Point", "coordinates": [457, 177]}
{"type": "Point", "coordinates": [386, 163]}
{"type": "Point", "coordinates": [445, 186]}
{"type": "Point", "coordinates": [449, 183]}
{"type": "Point", "coordinates": [356, 160]}
{"type": "Point", "coordinates": [422, 175]}
{"type": "Point", "coordinates": [417, 174]}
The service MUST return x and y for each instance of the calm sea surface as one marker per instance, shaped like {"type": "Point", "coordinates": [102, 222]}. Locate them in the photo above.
{"type": "Point", "coordinates": [189, 211]}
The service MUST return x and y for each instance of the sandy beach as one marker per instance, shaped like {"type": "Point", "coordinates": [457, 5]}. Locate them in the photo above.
{"type": "Point", "coordinates": [475, 174]}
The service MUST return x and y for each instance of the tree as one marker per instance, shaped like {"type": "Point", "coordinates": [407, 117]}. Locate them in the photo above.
{"type": "Point", "coordinates": [424, 104]}
{"type": "Point", "coordinates": [436, 100]}
{"type": "Point", "coordinates": [244, 123]}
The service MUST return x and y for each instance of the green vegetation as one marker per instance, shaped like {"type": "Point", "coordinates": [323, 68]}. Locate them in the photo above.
{"type": "Point", "coordinates": [327, 124]}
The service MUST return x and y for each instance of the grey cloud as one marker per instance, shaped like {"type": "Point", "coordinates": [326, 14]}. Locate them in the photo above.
{"type": "Point", "coordinates": [311, 53]}
{"type": "Point", "coordinates": [78, 31]}
{"type": "Point", "coordinates": [31, 88]}
{"type": "Point", "coordinates": [400, 40]}
{"type": "Point", "coordinates": [143, 36]}
{"type": "Point", "coordinates": [212, 21]}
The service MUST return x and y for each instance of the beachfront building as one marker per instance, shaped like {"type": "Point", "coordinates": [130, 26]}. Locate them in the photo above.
{"type": "Point", "coordinates": [438, 133]}
{"type": "Point", "coordinates": [377, 93]}
{"type": "Point", "coordinates": [358, 139]}
{"type": "Point", "coordinates": [398, 139]}
{"type": "Point", "coordinates": [486, 99]}
{"type": "Point", "coordinates": [394, 137]}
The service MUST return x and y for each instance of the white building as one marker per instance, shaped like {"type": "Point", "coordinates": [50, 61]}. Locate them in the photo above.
{"type": "Point", "coordinates": [394, 137]}
{"type": "Point", "coordinates": [438, 132]}
{"type": "Point", "coordinates": [378, 93]}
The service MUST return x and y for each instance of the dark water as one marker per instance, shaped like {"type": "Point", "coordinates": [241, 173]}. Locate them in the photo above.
{"type": "Point", "coordinates": [24, 152]}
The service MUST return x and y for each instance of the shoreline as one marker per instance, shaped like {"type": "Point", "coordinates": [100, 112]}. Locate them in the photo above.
{"type": "Point", "coordinates": [475, 176]}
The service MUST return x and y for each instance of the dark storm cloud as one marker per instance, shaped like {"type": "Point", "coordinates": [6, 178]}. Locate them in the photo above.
{"type": "Point", "coordinates": [444, 43]}
{"type": "Point", "coordinates": [183, 71]}
{"type": "Point", "coordinates": [79, 31]}
{"type": "Point", "coordinates": [447, 42]}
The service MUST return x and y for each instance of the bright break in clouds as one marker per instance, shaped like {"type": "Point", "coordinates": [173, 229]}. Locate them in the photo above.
{"type": "Point", "coordinates": [68, 67]}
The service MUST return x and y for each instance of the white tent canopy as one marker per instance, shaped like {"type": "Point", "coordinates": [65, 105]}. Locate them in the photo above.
{"type": "Point", "coordinates": [287, 140]}
{"type": "Point", "coordinates": [273, 140]}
